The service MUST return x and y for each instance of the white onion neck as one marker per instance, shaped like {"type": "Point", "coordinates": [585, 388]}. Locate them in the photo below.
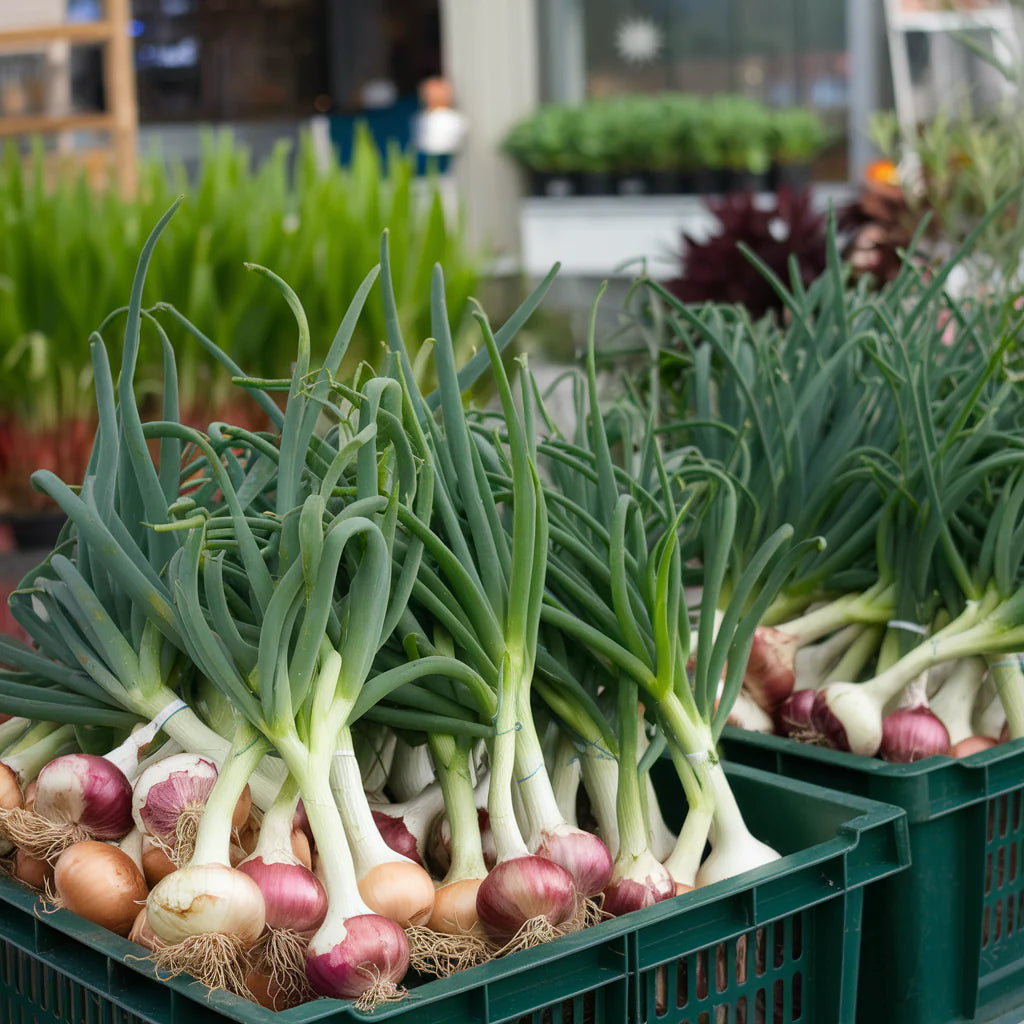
{"type": "Point", "coordinates": [508, 838]}
{"type": "Point", "coordinates": [600, 779]}
{"type": "Point", "coordinates": [336, 867]}
{"type": "Point", "coordinates": [411, 770]}
{"type": "Point", "coordinates": [565, 779]}
{"type": "Point", "coordinates": [661, 838]}
{"type": "Point", "coordinates": [1009, 681]}
{"type": "Point", "coordinates": [533, 781]}
{"type": "Point", "coordinates": [814, 661]}
{"type": "Point", "coordinates": [28, 762]}
{"type": "Point", "coordinates": [10, 731]}
{"type": "Point", "coordinates": [213, 840]}
{"type": "Point", "coordinates": [364, 838]}
{"type": "Point", "coordinates": [857, 656]}
{"type": "Point", "coordinates": [275, 837]}
{"type": "Point", "coordinates": [873, 606]}
{"type": "Point", "coordinates": [733, 848]}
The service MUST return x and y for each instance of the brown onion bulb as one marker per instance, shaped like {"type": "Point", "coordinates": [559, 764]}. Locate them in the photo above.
{"type": "Point", "coordinates": [400, 891]}
{"type": "Point", "coordinates": [155, 862]}
{"type": "Point", "coordinates": [454, 910]}
{"type": "Point", "coordinates": [266, 991]}
{"type": "Point", "coordinates": [102, 884]}
{"type": "Point", "coordinates": [972, 745]}
{"type": "Point", "coordinates": [10, 792]}
{"type": "Point", "coordinates": [300, 848]}
{"type": "Point", "coordinates": [33, 872]}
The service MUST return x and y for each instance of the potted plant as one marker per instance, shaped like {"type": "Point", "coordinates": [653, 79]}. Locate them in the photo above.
{"type": "Point", "coordinates": [542, 144]}
{"type": "Point", "coordinates": [707, 153]}
{"type": "Point", "coordinates": [798, 136]}
{"type": "Point", "coordinates": [634, 131]}
{"type": "Point", "coordinates": [744, 130]}
{"type": "Point", "coordinates": [594, 146]}
{"type": "Point", "coordinates": [675, 119]}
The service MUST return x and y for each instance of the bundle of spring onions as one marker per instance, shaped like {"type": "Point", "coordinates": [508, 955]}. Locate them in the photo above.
{"type": "Point", "coordinates": [378, 685]}
{"type": "Point", "coordinates": [889, 423]}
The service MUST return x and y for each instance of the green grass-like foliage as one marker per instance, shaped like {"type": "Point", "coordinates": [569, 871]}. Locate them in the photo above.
{"type": "Point", "coordinates": [66, 251]}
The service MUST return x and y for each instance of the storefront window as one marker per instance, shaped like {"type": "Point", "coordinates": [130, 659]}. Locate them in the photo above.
{"type": "Point", "coordinates": [229, 59]}
{"type": "Point", "coordinates": [783, 52]}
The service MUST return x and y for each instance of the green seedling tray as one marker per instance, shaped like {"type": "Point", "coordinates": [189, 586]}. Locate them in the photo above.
{"type": "Point", "coordinates": [945, 939]}
{"type": "Point", "coordinates": [797, 918]}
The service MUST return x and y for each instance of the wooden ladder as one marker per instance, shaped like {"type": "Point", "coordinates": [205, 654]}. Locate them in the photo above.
{"type": "Point", "coordinates": [995, 18]}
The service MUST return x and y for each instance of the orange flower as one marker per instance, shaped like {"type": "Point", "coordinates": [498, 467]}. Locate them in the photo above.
{"type": "Point", "coordinates": [882, 172]}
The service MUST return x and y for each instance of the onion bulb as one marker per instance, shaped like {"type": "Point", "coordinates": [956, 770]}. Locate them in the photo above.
{"type": "Point", "coordinates": [10, 791]}
{"type": "Point", "coordinates": [87, 790]}
{"type": "Point", "coordinates": [300, 848]}
{"type": "Point", "coordinates": [912, 734]}
{"type": "Point", "coordinates": [156, 865]}
{"type": "Point", "coordinates": [582, 854]}
{"type": "Point", "coordinates": [793, 717]}
{"type": "Point", "coordinates": [406, 827]}
{"type": "Point", "coordinates": [170, 788]}
{"type": "Point", "coordinates": [747, 714]}
{"type": "Point", "coordinates": [637, 882]}
{"type": "Point", "coordinates": [364, 951]}
{"type": "Point", "coordinates": [100, 883]}
{"type": "Point", "coordinates": [206, 898]}
{"type": "Point", "coordinates": [31, 870]}
{"type": "Point", "coordinates": [972, 745]}
{"type": "Point", "coordinates": [399, 890]}
{"type": "Point", "coordinates": [293, 896]}
{"type": "Point", "coordinates": [771, 673]}
{"type": "Point", "coordinates": [142, 934]}
{"type": "Point", "coordinates": [394, 831]}
{"type": "Point", "coordinates": [520, 889]}
{"type": "Point", "coordinates": [454, 910]}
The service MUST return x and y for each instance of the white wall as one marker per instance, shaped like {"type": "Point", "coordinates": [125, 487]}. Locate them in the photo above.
{"type": "Point", "coordinates": [490, 55]}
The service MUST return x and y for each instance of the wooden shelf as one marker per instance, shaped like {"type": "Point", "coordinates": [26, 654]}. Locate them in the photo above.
{"type": "Point", "coordinates": [76, 33]}
{"type": "Point", "coordinates": [45, 124]}
{"type": "Point", "coordinates": [120, 120]}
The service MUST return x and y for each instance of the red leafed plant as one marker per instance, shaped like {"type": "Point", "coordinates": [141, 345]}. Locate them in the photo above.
{"type": "Point", "coordinates": [716, 269]}
{"type": "Point", "coordinates": [25, 447]}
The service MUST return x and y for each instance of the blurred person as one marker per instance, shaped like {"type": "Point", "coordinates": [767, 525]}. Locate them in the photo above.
{"type": "Point", "coordinates": [438, 130]}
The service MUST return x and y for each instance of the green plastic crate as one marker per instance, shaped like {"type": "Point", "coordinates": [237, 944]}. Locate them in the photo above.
{"type": "Point", "coordinates": [57, 969]}
{"type": "Point", "coordinates": [945, 940]}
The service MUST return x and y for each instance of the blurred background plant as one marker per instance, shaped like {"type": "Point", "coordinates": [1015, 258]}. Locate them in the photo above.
{"type": "Point", "coordinates": [785, 236]}
{"type": "Point", "coordinates": [953, 171]}
{"type": "Point", "coordinates": [67, 253]}
{"type": "Point", "coordinates": [679, 133]}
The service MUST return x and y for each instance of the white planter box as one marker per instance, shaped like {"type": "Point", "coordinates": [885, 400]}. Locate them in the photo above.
{"type": "Point", "coordinates": [593, 236]}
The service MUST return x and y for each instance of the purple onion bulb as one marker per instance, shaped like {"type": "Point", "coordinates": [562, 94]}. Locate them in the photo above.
{"type": "Point", "coordinates": [84, 789]}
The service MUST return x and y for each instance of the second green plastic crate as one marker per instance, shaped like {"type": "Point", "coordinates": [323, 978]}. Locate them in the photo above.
{"type": "Point", "coordinates": [944, 941]}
